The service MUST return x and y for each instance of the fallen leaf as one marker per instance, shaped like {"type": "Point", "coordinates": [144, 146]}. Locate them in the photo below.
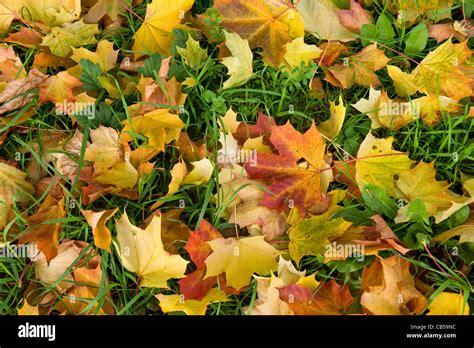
{"type": "Point", "coordinates": [240, 258]}
{"type": "Point", "coordinates": [290, 180]}
{"type": "Point", "coordinates": [388, 288]}
{"type": "Point", "coordinates": [359, 68]}
{"type": "Point", "coordinates": [321, 19]}
{"type": "Point", "coordinates": [97, 221]}
{"type": "Point", "coordinates": [155, 33]}
{"type": "Point", "coordinates": [239, 64]}
{"type": "Point", "coordinates": [328, 299]}
{"type": "Point", "coordinates": [264, 23]}
{"type": "Point", "coordinates": [176, 303]}
{"type": "Point", "coordinates": [142, 252]}
{"type": "Point", "coordinates": [448, 303]}
{"type": "Point", "coordinates": [377, 163]}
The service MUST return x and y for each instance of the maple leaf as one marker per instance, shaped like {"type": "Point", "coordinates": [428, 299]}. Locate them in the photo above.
{"type": "Point", "coordinates": [142, 252]}
{"type": "Point", "coordinates": [239, 64]}
{"type": "Point", "coordinates": [17, 93]}
{"type": "Point", "coordinates": [53, 13]}
{"type": "Point", "coordinates": [373, 239]}
{"type": "Point", "coordinates": [25, 36]}
{"type": "Point", "coordinates": [377, 163]}
{"type": "Point", "coordinates": [381, 113]}
{"type": "Point", "coordinates": [63, 39]}
{"type": "Point", "coordinates": [359, 69]}
{"type": "Point", "coordinates": [264, 23]}
{"type": "Point", "coordinates": [11, 67]}
{"type": "Point", "coordinates": [41, 230]}
{"type": "Point", "coordinates": [104, 55]}
{"type": "Point", "coordinates": [388, 288]}
{"type": "Point", "coordinates": [97, 221]}
{"type": "Point", "coordinates": [9, 10]}
{"type": "Point", "coordinates": [105, 150]}
{"type": "Point", "coordinates": [13, 188]}
{"type": "Point", "coordinates": [312, 235]}
{"type": "Point", "coordinates": [268, 297]}
{"type": "Point", "coordinates": [50, 273]}
{"type": "Point", "coordinates": [58, 88]}
{"type": "Point", "coordinates": [298, 52]}
{"type": "Point", "coordinates": [259, 220]}
{"type": "Point", "coordinates": [457, 202]}
{"type": "Point", "coordinates": [328, 299]}
{"type": "Point", "coordinates": [88, 281]}
{"type": "Point", "coordinates": [321, 19]}
{"type": "Point", "coordinates": [159, 126]}
{"type": "Point", "coordinates": [432, 108]}
{"type": "Point", "coordinates": [300, 183]}
{"type": "Point", "coordinates": [419, 183]}
{"type": "Point", "coordinates": [409, 12]}
{"type": "Point", "coordinates": [175, 303]}
{"type": "Point", "coordinates": [355, 17]}
{"type": "Point", "coordinates": [111, 8]}
{"type": "Point", "coordinates": [173, 231]}
{"type": "Point", "coordinates": [448, 303]}
{"type": "Point", "coordinates": [193, 55]}
{"type": "Point", "coordinates": [240, 258]}
{"type": "Point", "coordinates": [438, 73]}
{"type": "Point", "coordinates": [155, 33]}
{"type": "Point", "coordinates": [331, 128]}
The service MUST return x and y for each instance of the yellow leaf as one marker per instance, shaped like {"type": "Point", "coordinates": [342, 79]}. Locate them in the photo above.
{"type": "Point", "coordinates": [404, 83]}
{"type": "Point", "coordinates": [457, 202]}
{"type": "Point", "coordinates": [257, 145]}
{"type": "Point", "coordinates": [63, 39]}
{"type": "Point", "coordinates": [52, 12]}
{"type": "Point", "coordinates": [298, 52]}
{"type": "Point", "coordinates": [331, 128]}
{"type": "Point", "coordinates": [193, 55]}
{"type": "Point", "coordinates": [388, 288]}
{"type": "Point", "coordinates": [448, 303]}
{"type": "Point", "coordinates": [377, 163]}
{"type": "Point", "coordinates": [155, 34]}
{"type": "Point", "coordinates": [420, 183]}
{"type": "Point", "coordinates": [13, 188]}
{"type": "Point", "coordinates": [240, 63]}
{"type": "Point", "coordinates": [105, 150]}
{"type": "Point", "coordinates": [27, 309]}
{"type": "Point", "coordinates": [201, 173]}
{"type": "Point", "coordinates": [159, 126]}
{"type": "Point", "coordinates": [320, 19]}
{"type": "Point", "coordinates": [142, 252]}
{"type": "Point", "coordinates": [387, 113]}
{"type": "Point", "coordinates": [97, 221]}
{"type": "Point", "coordinates": [229, 121]}
{"type": "Point", "coordinates": [176, 303]}
{"type": "Point", "coordinates": [122, 175]}
{"type": "Point", "coordinates": [9, 10]}
{"type": "Point", "coordinates": [311, 236]}
{"type": "Point", "coordinates": [104, 55]}
{"type": "Point", "coordinates": [240, 258]}
{"type": "Point", "coordinates": [439, 73]}
{"type": "Point", "coordinates": [431, 108]}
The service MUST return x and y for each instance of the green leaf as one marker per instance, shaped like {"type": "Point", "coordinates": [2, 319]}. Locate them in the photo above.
{"type": "Point", "coordinates": [151, 66]}
{"type": "Point", "coordinates": [385, 31]}
{"type": "Point", "coordinates": [105, 115]}
{"type": "Point", "coordinates": [466, 252]}
{"type": "Point", "coordinates": [368, 33]}
{"type": "Point", "coordinates": [356, 216]}
{"type": "Point", "coordinates": [379, 201]}
{"type": "Point", "coordinates": [416, 212]}
{"type": "Point", "coordinates": [90, 72]}
{"type": "Point", "coordinates": [417, 39]}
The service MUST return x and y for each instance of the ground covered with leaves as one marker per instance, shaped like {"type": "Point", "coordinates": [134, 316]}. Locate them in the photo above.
{"type": "Point", "coordinates": [236, 157]}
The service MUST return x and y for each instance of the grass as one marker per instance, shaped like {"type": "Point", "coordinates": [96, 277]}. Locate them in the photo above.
{"type": "Point", "coordinates": [282, 95]}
